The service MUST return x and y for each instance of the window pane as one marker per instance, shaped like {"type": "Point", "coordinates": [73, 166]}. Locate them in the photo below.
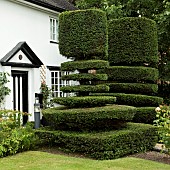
{"type": "Point", "coordinates": [56, 88]}
{"type": "Point", "coordinates": [56, 74]}
{"type": "Point", "coordinates": [52, 81]}
{"type": "Point", "coordinates": [55, 79]}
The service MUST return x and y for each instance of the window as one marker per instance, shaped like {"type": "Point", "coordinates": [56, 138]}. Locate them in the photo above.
{"type": "Point", "coordinates": [57, 83]}
{"type": "Point", "coordinates": [53, 30]}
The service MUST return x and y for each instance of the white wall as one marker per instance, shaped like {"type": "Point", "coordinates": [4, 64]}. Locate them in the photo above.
{"type": "Point", "coordinates": [25, 23]}
{"type": "Point", "coordinates": [22, 23]}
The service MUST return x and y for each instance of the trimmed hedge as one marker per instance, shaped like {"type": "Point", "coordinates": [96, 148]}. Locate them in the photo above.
{"type": "Point", "coordinates": [104, 145]}
{"type": "Point", "coordinates": [84, 65]}
{"type": "Point", "coordinates": [136, 100]}
{"type": "Point", "coordinates": [83, 33]}
{"type": "Point", "coordinates": [145, 115]}
{"type": "Point", "coordinates": [85, 119]}
{"type": "Point", "coordinates": [82, 102]}
{"type": "Point", "coordinates": [138, 44]}
{"type": "Point", "coordinates": [131, 74]}
{"type": "Point", "coordinates": [85, 88]}
{"type": "Point", "coordinates": [85, 76]}
{"type": "Point", "coordinates": [135, 88]}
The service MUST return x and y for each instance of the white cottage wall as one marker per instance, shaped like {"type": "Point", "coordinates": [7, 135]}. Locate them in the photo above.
{"type": "Point", "coordinates": [23, 22]}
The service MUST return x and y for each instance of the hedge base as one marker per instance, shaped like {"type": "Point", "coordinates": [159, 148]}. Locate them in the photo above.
{"type": "Point", "coordinates": [103, 145]}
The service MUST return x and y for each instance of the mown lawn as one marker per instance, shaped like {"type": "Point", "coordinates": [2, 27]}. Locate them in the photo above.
{"type": "Point", "coordinates": [35, 160]}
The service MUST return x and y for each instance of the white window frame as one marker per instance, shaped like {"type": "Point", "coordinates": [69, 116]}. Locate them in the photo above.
{"type": "Point", "coordinates": [54, 29]}
{"type": "Point", "coordinates": [57, 82]}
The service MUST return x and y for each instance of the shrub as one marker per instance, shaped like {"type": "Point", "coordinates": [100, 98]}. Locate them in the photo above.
{"type": "Point", "coordinates": [18, 140]}
{"type": "Point", "coordinates": [85, 76]}
{"type": "Point", "coordinates": [85, 88]}
{"type": "Point", "coordinates": [84, 65]}
{"type": "Point", "coordinates": [104, 145]}
{"type": "Point", "coordinates": [131, 74]}
{"type": "Point", "coordinates": [88, 101]}
{"type": "Point", "coordinates": [134, 99]}
{"type": "Point", "coordinates": [145, 115]}
{"type": "Point", "coordinates": [11, 119]}
{"type": "Point", "coordinates": [138, 44]}
{"type": "Point", "coordinates": [13, 137]}
{"type": "Point", "coordinates": [98, 118]}
{"type": "Point", "coordinates": [135, 88]}
{"type": "Point", "coordinates": [83, 34]}
{"type": "Point", "coordinates": [162, 121]}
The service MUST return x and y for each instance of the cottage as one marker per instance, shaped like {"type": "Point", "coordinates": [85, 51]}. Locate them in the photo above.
{"type": "Point", "coordinates": [29, 49]}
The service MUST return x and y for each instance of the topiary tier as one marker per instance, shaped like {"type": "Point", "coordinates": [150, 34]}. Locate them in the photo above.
{"type": "Point", "coordinates": [137, 46]}
{"type": "Point", "coordinates": [90, 119]}
{"type": "Point", "coordinates": [85, 76]}
{"type": "Point", "coordinates": [85, 101]}
{"type": "Point", "coordinates": [135, 88]}
{"type": "Point", "coordinates": [93, 125]}
{"type": "Point", "coordinates": [102, 145]}
{"type": "Point", "coordinates": [85, 64]}
{"type": "Point", "coordinates": [144, 115]}
{"type": "Point", "coordinates": [131, 74]}
{"type": "Point", "coordinates": [83, 35]}
{"type": "Point", "coordinates": [137, 100]}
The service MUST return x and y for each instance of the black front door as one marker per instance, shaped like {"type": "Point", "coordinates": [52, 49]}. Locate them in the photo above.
{"type": "Point", "coordinates": [20, 92]}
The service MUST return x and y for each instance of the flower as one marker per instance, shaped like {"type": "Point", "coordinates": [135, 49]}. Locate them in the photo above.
{"type": "Point", "coordinates": [158, 109]}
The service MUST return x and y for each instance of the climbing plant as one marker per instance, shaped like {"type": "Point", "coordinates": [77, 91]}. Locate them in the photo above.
{"type": "Point", "coordinates": [3, 89]}
{"type": "Point", "coordinates": [47, 92]}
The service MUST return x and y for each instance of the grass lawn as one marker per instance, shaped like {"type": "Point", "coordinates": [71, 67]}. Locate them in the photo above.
{"type": "Point", "coordinates": [35, 160]}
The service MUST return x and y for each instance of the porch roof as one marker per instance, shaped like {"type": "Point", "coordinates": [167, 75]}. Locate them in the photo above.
{"type": "Point", "coordinates": [23, 46]}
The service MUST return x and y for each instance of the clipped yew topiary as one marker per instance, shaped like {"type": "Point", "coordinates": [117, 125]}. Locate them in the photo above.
{"type": "Point", "coordinates": [85, 101]}
{"type": "Point", "coordinates": [145, 115]}
{"type": "Point", "coordinates": [137, 100]}
{"type": "Point", "coordinates": [93, 125]}
{"type": "Point", "coordinates": [131, 73]}
{"type": "Point", "coordinates": [85, 64]}
{"type": "Point", "coordinates": [132, 41]}
{"type": "Point", "coordinates": [83, 34]}
{"type": "Point", "coordinates": [90, 119]}
{"type": "Point", "coordinates": [103, 144]}
{"type": "Point", "coordinates": [135, 88]}
{"type": "Point", "coordinates": [133, 52]}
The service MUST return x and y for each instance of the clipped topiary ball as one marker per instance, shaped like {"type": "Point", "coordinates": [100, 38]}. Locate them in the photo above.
{"type": "Point", "coordinates": [132, 41]}
{"type": "Point", "coordinates": [83, 34]}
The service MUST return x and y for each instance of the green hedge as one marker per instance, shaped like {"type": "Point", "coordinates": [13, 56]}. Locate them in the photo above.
{"type": "Point", "coordinates": [85, 76]}
{"type": "Point", "coordinates": [85, 88]}
{"type": "Point", "coordinates": [134, 99]}
{"type": "Point", "coordinates": [131, 74]}
{"type": "Point", "coordinates": [84, 65]}
{"type": "Point", "coordinates": [145, 115]}
{"type": "Point", "coordinates": [83, 33]}
{"type": "Point", "coordinates": [139, 43]}
{"type": "Point", "coordinates": [104, 145]}
{"type": "Point", "coordinates": [135, 88]}
{"type": "Point", "coordinates": [85, 119]}
{"type": "Point", "coordinates": [88, 101]}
